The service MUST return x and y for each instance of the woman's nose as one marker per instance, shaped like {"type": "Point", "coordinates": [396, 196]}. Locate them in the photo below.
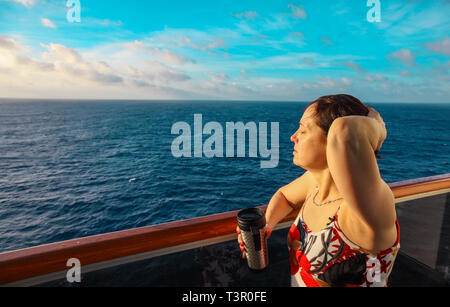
{"type": "Point", "coordinates": [294, 137]}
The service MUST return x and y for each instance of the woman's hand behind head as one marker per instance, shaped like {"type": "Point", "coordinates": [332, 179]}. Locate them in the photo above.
{"type": "Point", "coordinates": [383, 132]}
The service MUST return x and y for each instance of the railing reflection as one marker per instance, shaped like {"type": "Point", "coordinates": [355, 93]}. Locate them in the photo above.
{"type": "Point", "coordinates": [425, 232]}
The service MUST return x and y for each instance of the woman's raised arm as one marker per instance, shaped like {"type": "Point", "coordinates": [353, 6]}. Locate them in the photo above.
{"type": "Point", "coordinates": [351, 143]}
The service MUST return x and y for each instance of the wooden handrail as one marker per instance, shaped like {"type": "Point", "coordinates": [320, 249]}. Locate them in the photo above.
{"type": "Point", "coordinates": [44, 259]}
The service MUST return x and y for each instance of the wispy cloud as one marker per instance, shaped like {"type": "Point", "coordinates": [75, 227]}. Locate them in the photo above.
{"type": "Point", "coordinates": [107, 22]}
{"type": "Point", "coordinates": [27, 3]}
{"type": "Point", "coordinates": [9, 43]}
{"type": "Point", "coordinates": [351, 65]}
{"type": "Point", "coordinates": [70, 63]}
{"type": "Point", "coordinates": [48, 23]}
{"type": "Point", "coordinates": [251, 15]}
{"type": "Point", "coordinates": [402, 20]}
{"type": "Point", "coordinates": [375, 77]}
{"type": "Point", "coordinates": [405, 56]}
{"type": "Point", "coordinates": [326, 41]}
{"type": "Point", "coordinates": [308, 62]}
{"type": "Point", "coordinates": [59, 66]}
{"type": "Point", "coordinates": [299, 35]}
{"type": "Point", "coordinates": [298, 11]}
{"type": "Point", "coordinates": [441, 47]}
{"type": "Point", "coordinates": [217, 77]}
{"type": "Point", "coordinates": [163, 54]}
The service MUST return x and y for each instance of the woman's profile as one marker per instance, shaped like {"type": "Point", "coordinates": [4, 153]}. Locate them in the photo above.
{"type": "Point", "coordinates": [346, 232]}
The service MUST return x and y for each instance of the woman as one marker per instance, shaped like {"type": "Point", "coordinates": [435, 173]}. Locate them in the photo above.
{"type": "Point", "coordinates": [346, 233]}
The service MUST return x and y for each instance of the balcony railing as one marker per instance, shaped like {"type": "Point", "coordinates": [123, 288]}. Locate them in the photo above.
{"type": "Point", "coordinates": [206, 248]}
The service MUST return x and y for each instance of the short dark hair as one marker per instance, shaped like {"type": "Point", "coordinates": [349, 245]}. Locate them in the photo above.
{"type": "Point", "coordinates": [328, 108]}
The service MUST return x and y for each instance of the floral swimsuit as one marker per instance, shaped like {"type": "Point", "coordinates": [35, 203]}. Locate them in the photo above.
{"type": "Point", "coordinates": [328, 258]}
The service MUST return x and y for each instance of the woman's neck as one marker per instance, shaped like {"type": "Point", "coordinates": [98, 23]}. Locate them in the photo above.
{"type": "Point", "coordinates": [327, 187]}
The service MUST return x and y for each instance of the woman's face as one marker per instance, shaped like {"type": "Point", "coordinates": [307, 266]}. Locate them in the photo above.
{"type": "Point", "coordinates": [310, 143]}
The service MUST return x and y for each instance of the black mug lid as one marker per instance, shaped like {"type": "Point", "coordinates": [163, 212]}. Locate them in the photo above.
{"type": "Point", "coordinates": [251, 218]}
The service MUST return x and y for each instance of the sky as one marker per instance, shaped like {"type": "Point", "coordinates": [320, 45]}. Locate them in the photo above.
{"type": "Point", "coordinates": [225, 49]}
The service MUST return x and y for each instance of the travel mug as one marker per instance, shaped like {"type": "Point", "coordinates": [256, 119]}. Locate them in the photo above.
{"type": "Point", "coordinates": [252, 223]}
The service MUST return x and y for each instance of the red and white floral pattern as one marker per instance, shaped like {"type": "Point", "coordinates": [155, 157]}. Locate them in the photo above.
{"type": "Point", "coordinates": [328, 258]}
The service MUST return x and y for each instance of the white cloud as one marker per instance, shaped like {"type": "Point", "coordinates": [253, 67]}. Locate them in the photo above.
{"type": "Point", "coordinates": [298, 34]}
{"type": "Point", "coordinates": [60, 52]}
{"type": "Point", "coordinates": [352, 65]}
{"type": "Point", "coordinates": [211, 43]}
{"type": "Point", "coordinates": [308, 62]}
{"type": "Point", "coordinates": [406, 21]}
{"type": "Point", "coordinates": [375, 77]}
{"type": "Point", "coordinates": [277, 22]}
{"type": "Point", "coordinates": [71, 64]}
{"type": "Point", "coordinates": [330, 83]}
{"type": "Point", "coordinates": [164, 55]}
{"type": "Point", "coordinates": [48, 23]}
{"type": "Point", "coordinates": [9, 43]}
{"type": "Point", "coordinates": [297, 11]}
{"type": "Point", "coordinates": [441, 47]}
{"type": "Point", "coordinates": [107, 22]}
{"type": "Point", "coordinates": [220, 77]}
{"type": "Point", "coordinates": [27, 3]}
{"type": "Point", "coordinates": [246, 15]}
{"type": "Point", "coordinates": [404, 55]}
{"type": "Point", "coordinates": [58, 62]}
{"type": "Point", "coordinates": [326, 41]}
{"type": "Point", "coordinates": [144, 69]}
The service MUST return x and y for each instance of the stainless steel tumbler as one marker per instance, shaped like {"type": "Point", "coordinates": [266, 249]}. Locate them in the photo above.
{"type": "Point", "coordinates": [252, 223]}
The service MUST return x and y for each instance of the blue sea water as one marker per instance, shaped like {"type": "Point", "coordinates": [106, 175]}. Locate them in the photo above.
{"type": "Point", "coordinates": [71, 169]}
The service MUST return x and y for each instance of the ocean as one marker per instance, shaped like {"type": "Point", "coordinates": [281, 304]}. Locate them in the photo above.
{"type": "Point", "coordinates": [71, 169]}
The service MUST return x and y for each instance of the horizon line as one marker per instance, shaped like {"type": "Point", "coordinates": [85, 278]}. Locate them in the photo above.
{"type": "Point", "coordinates": [205, 100]}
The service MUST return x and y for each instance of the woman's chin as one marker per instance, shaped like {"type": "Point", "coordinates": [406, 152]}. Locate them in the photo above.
{"type": "Point", "coordinates": [296, 161]}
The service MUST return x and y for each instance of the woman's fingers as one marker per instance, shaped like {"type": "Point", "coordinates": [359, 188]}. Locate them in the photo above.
{"type": "Point", "coordinates": [241, 242]}
{"type": "Point", "coordinates": [375, 115]}
{"type": "Point", "coordinates": [238, 231]}
{"type": "Point", "coordinates": [268, 231]}
{"type": "Point", "coordinates": [243, 250]}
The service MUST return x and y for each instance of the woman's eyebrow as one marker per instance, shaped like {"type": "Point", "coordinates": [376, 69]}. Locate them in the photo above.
{"type": "Point", "coordinates": [307, 126]}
